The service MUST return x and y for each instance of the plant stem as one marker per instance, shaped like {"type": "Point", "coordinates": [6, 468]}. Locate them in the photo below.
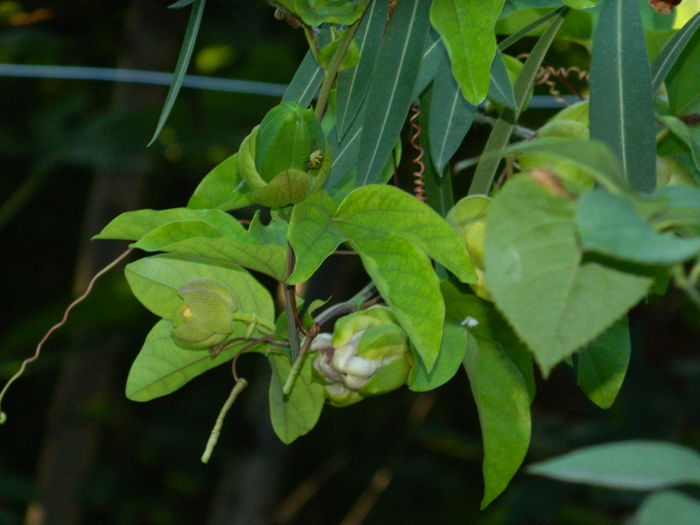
{"type": "Point", "coordinates": [351, 305]}
{"type": "Point", "coordinates": [216, 431]}
{"type": "Point", "coordinates": [298, 362]}
{"type": "Point", "coordinates": [332, 71]}
{"type": "Point", "coordinates": [289, 303]}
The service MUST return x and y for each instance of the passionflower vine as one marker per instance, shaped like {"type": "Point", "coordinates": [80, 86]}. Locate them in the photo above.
{"type": "Point", "coordinates": [366, 355]}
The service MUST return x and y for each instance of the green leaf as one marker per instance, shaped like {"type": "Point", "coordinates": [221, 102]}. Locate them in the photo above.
{"type": "Point", "coordinates": [313, 235]}
{"type": "Point", "coordinates": [468, 31]}
{"type": "Point", "coordinates": [162, 366]}
{"type": "Point", "coordinates": [668, 507]}
{"type": "Point", "coordinates": [532, 252]}
{"type": "Point", "coordinates": [671, 51]}
{"type": "Point", "coordinates": [344, 154]}
{"type": "Point", "coordinates": [610, 224]}
{"type": "Point", "coordinates": [372, 212]}
{"type": "Point", "coordinates": [294, 415]}
{"type": "Point", "coordinates": [622, 101]}
{"type": "Point", "coordinates": [219, 189]}
{"type": "Point", "coordinates": [183, 60]}
{"type": "Point", "coordinates": [580, 4]}
{"type": "Point", "coordinates": [450, 117]}
{"type": "Point", "coordinates": [631, 465]}
{"type": "Point", "coordinates": [305, 82]}
{"type": "Point", "coordinates": [690, 135]}
{"type": "Point", "coordinates": [452, 348]}
{"type": "Point", "coordinates": [353, 84]}
{"type": "Point", "coordinates": [391, 89]}
{"type": "Point", "coordinates": [504, 412]}
{"type": "Point", "coordinates": [502, 130]}
{"type": "Point", "coordinates": [680, 207]}
{"type": "Point", "coordinates": [515, 37]}
{"type": "Point", "coordinates": [602, 365]}
{"type": "Point", "coordinates": [132, 225]}
{"type": "Point", "coordinates": [429, 63]}
{"type": "Point", "coordinates": [260, 248]}
{"type": "Point", "coordinates": [407, 282]}
{"type": "Point", "coordinates": [683, 80]}
{"type": "Point", "coordinates": [500, 88]}
{"type": "Point", "coordinates": [155, 281]}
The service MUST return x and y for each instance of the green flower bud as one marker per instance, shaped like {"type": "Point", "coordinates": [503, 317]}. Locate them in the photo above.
{"type": "Point", "coordinates": [367, 355]}
{"type": "Point", "coordinates": [468, 217]}
{"type": "Point", "coordinates": [286, 157]}
{"type": "Point", "coordinates": [206, 315]}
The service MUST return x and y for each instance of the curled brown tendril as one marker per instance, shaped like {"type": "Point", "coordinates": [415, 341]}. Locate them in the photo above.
{"type": "Point", "coordinates": [419, 172]}
{"type": "Point", "coordinates": [546, 75]}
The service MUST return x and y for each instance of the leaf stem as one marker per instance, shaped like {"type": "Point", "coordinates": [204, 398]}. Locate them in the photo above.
{"type": "Point", "coordinates": [289, 307]}
{"type": "Point", "coordinates": [216, 431]}
{"type": "Point", "coordinates": [298, 362]}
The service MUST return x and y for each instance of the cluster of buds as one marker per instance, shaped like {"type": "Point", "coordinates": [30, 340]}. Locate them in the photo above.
{"type": "Point", "coordinates": [206, 316]}
{"type": "Point", "coordinates": [367, 355]}
{"type": "Point", "coordinates": [286, 158]}
{"type": "Point", "coordinates": [468, 217]}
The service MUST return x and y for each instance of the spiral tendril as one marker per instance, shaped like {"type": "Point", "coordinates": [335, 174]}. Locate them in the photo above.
{"type": "Point", "coordinates": [419, 172]}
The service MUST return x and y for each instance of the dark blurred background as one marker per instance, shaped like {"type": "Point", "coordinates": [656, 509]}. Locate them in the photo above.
{"type": "Point", "coordinates": [75, 450]}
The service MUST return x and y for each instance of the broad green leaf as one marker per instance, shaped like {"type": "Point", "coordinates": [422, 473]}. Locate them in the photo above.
{"type": "Point", "coordinates": [601, 366]}
{"type": "Point", "coordinates": [452, 348]}
{"type": "Point", "coordinates": [631, 465]}
{"type": "Point", "coordinates": [260, 248]}
{"type": "Point", "coordinates": [610, 224]}
{"type": "Point", "coordinates": [353, 84]}
{"type": "Point", "coordinates": [183, 60]}
{"type": "Point", "coordinates": [503, 403]}
{"type": "Point", "coordinates": [502, 130]}
{"type": "Point", "coordinates": [680, 206]}
{"type": "Point", "coordinates": [500, 88]}
{"type": "Point", "coordinates": [450, 117]}
{"type": "Point", "coordinates": [683, 80]}
{"type": "Point", "coordinates": [372, 212]}
{"type": "Point", "coordinates": [132, 225]}
{"type": "Point", "coordinates": [483, 320]}
{"type": "Point", "coordinates": [667, 507]}
{"type": "Point", "coordinates": [580, 4]}
{"type": "Point", "coordinates": [155, 281]}
{"type": "Point", "coordinates": [294, 415]}
{"type": "Point", "coordinates": [622, 101]}
{"type": "Point", "coordinates": [671, 51]}
{"type": "Point", "coordinates": [161, 367]}
{"type": "Point", "coordinates": [390, 91]}
{"type": "Point", "coordinates": [467, 29]}
{"type": "Point", "coordinates": [407, 282]}
{"type": "Point", "coordinates": [305, 82]}
{"type": "Point", "coordinates": [314, 12]}
{"type": "Point", "coordinates": [690, 135]}
{"type": "Point", "coordinates": [313, 235]}
{"type": "Point", "coordinates": [220, 188]}
{"type": "Point", "coordinates": [532, 254]}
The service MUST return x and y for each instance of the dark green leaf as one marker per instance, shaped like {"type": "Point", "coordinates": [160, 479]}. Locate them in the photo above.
{"type": "Point", "coordinates": [183, 60]}
{"type": "Point", "coordinates": [432, 53]}
{"type": "Point", "coordinates": [632, 465]}
{"type": "Point", "coordinates": [602, 365]}
{"type": "Point", "coordinates": [621, 102]}
{"type": "Point", "coordinates": [671, 51]}
{"type": "Point", "coordinates": [683, 79]}
{"type": "Point", "coordinates": [305, 82]}
{"type": "Point", "coordinates": [668, 507]}
{"type": "Point", "coordinates": [391, 88]}
{"type": "Point", "coordinates": [501, 89]}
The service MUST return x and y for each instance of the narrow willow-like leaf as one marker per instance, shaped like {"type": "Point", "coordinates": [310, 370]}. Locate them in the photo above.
{"type": "Point", "coordinates": [501, 89]}
{"type": "Point", "coordinates": [532, 252]}
{"type": "Point", "coordinates": [391, 89]}
{"type": "Point", "coordinates": [515, 37]}
{"type": "Point", "coordinates": [183, 60]}
{"type": "Point", "coordinates": [683, 79]}
{"type": "Point", "coordinates": [632, 239]}
{"type": "Point", "coordinates": [407, 282]}
{"type": "Point", "coordinates": [502, 130]}
{"type": "Point", "coordinates": [669, 506]}
{"type": "Point", "coordinates": [631, 465]}
{"type": "Point", "coordinates": [671, 51]}
{"type": "Point", "coordinates": [689, 135]}
{"type": "Point", "coordinates": [434, 49]}
{"type": "Point", "coordinates": [344, 155]}
{"type": "Point", "coordinates": [451, 116]}
{"type": "Point", "coordinates": [621, 102]}
{"type": "Point", "coordinates": [452, 349]}
{"type": "Point", "coordinates": [313, 235]}
{"type": "Point", "coordinates": [305, 82]}
{"type": "Point", "coordinates": [601, 366]}
{"type": "Point", "coordinates": [373, 212]}
{"type": "Point", "coordinates": [296, 414]}
{"type": "Point", "coordinates": [220, 188]}
{"type": "Point", "coordinates": [353, 84]}
{"type": "Point", "coordinates": [468, 31]}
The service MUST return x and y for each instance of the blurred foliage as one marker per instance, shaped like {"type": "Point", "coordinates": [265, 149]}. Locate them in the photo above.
{"type": "Point", "coordinates": [54, 134]}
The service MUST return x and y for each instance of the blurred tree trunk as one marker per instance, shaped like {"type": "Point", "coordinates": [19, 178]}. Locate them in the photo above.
{"type": "Point", "coordinates": [151, 40]}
